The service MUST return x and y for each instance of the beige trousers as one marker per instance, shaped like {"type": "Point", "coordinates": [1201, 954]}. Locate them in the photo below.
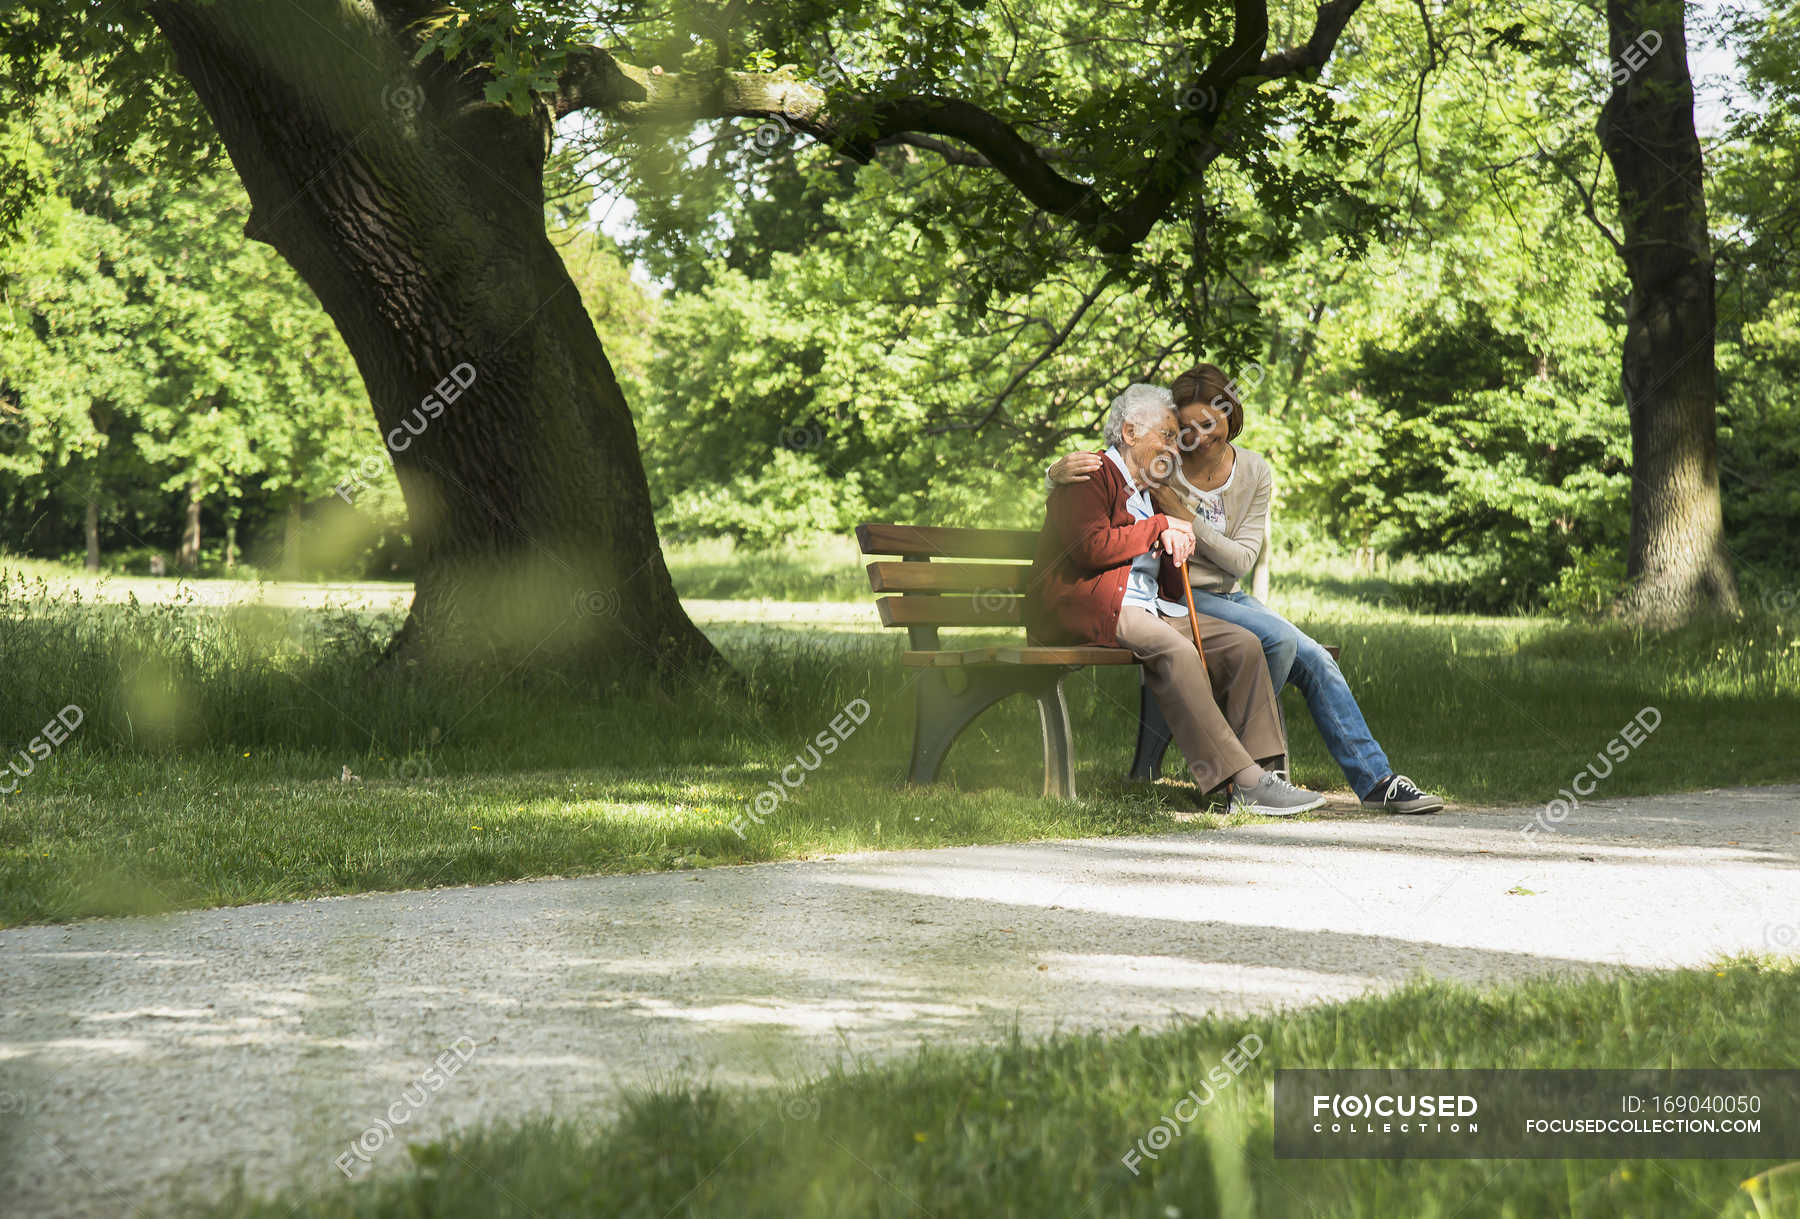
{"type": "Point", "coordinates": [1225, 728]}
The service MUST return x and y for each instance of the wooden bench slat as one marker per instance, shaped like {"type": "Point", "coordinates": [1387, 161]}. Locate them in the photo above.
{"type": "Point", "coordinates": [935, 541]}
{"type": "Point", "coordinates": [948, 577]}
{"type": "Point", "coordinates": [1072, 657]}
{"type": "Point", "coordinates": [947, 660]}
{"type": "Point", "coordinates": [1064, 656]}
{"type": "Point", "coordinates": [951, 611]}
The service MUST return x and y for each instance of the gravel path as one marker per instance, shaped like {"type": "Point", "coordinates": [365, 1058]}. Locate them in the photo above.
{"type": "Point", "coordinates": [144, 1054]}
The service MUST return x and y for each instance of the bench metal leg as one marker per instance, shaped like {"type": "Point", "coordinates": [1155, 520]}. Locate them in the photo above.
{"type": "Point", "coordinates": [1152, 736]}
{"type": "Point", "coordinates": [1059, 743]}
{"type": "Point", "coordinates": [941, 713]}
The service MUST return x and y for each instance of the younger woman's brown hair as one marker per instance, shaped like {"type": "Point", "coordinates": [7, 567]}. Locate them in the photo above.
{"type": "Point", "coordinates": [1207, 383]}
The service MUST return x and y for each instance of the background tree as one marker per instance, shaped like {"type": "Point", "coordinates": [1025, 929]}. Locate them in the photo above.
{"type": "Point", "coordinates": [151, 352]}
{"type": "Point", "coordinates": [1677, 561]}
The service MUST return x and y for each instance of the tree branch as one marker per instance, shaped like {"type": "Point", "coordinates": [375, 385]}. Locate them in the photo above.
{"type": "Point", "coordinates": [857, 126]}
{"type": "Point", "coordinates": [1585, 194]}
{"type": "Point", "coordinates": [1312, 54]}
{"type": "Point", "coordinates": [949, 153]}
{"type": "Point", "coordinates": [1056, 341]}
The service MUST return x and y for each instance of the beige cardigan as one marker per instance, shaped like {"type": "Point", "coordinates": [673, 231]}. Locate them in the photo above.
{"type": "Point", "coordinates": [1222, 558]}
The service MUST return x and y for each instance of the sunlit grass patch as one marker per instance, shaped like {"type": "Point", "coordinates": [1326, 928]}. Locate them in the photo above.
{"type": "Point", "coordinates": [1042, 1128]}
{"type": "Point", "coordinates": [210, 762]}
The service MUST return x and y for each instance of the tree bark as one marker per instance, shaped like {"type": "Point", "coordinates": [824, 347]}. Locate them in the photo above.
{"type": "Point", "coordinates": [414, 210]}
{"type": "Point", "coordinates": [188, 556]}
{"type": "Point", "coordinates": [1677, 562]}
{"type": "Point", "coordinates": [90, 529]}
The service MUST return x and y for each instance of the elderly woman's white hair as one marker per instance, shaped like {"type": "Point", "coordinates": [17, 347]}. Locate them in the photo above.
{"type": "Point", "coordinates": [1140, 405]}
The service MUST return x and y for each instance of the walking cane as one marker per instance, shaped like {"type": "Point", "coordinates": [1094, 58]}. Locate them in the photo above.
{"type": "Point", "coordinates": [1187, 586]}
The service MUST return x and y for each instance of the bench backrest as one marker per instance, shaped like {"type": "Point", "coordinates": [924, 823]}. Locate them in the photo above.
{"type": "Point", "coordinates": [986, 592]}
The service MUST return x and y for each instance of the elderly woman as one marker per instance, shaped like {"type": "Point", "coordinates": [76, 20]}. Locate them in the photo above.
{"type": "Point", "coordinates": [1224, 491]}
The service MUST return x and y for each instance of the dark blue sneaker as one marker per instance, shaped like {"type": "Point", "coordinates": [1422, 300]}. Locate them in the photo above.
{"type": "Point", "coordinates": [1399, 794]}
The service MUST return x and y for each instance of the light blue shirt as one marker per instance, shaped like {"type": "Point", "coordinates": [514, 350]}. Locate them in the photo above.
{"type": "Point", "coordinates": [1141, 586]}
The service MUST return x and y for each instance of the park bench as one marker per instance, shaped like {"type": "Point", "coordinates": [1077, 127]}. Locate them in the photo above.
{"type": "Point", "coordinates": [984, 586]}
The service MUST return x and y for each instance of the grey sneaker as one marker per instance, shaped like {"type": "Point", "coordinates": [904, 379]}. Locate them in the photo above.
{"type": "Point", "coordinates": [1399, 794]}
{"type": "Point", "coordinates": [1274, 796]}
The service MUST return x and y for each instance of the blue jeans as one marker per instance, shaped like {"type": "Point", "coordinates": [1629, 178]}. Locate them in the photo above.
{"type": "Point", "coordinates": [1292, 656]}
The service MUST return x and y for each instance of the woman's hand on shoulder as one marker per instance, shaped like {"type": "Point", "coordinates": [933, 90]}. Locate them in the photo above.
{"type": "Point", "coordinates": [1075, 468]}
{"type": "Point", "coordinates": [1170, 503]}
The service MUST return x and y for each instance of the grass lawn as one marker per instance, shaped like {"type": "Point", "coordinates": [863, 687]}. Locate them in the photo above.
{"type": "Point", "coordinates": [208, 766]}
{"type": "Point", "coordinates": [1040, 1129]}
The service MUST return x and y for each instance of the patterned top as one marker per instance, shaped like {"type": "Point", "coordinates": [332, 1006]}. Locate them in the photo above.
{"type": "Point", "coordinates": [1209, 506]}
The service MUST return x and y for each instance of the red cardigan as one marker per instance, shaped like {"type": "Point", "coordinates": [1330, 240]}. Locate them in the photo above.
{"type": "Point", "coordinates": [1084, 558]}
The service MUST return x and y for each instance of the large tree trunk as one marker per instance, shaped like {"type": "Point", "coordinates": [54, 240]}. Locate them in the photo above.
{"type": "Point", "coordinates": [414, 210]}
{"type": "Point", "coordinates": [1677, 560]}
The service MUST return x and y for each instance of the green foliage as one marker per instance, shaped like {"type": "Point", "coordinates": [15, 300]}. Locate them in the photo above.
{"type": "Point", "coordinates": [1755, 202]}
{"type": "Point", "coordinates": [1454, 394]}
{"type": "Point", "coordinates": [1396, 258]}
{"type": "Point", "coordinates": [521, 48]}
{"type": "Point", "coordinates": [1759, 442]}
{"type": "Point", "coordinates": [1450, 443]}
{"type": "Point", "coordinates": [147, 347]}
{"type": "Point", "coordinates": [1589, 586]}
{"type": "Point", "coordinates": [762, 382]}
{"type": "Point", "coordinates": [138, 98]}
{"type": "Point", "coordinates": [791, 493]}
{"type": "Point", "coordinates": [1426, 324]}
